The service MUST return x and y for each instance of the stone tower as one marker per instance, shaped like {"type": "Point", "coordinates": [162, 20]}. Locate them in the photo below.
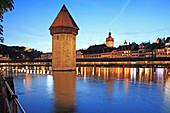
{"type": "Point", "coordinates": [109, 41]}
{"type": "Point", "coordinates": [63, 31]}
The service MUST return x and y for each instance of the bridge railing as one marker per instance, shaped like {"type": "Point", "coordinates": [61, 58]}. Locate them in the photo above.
{"type": "Point", "coordinates": [6, 92]}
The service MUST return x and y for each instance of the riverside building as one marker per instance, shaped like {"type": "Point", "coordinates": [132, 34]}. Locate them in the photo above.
{"type": "Point", "coordinates": [160, 48]}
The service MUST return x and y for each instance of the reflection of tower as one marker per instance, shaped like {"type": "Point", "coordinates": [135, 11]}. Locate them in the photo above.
{"type": "Point", "coordinates": [109, 41]}
{"type": "Point", "coordinates": [64, 31]}
{"type": "Point", "coordinates": [64, 90]}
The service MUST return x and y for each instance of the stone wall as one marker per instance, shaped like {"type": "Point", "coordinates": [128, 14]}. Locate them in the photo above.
{"type": "Point", "coordinates": [64, 52]}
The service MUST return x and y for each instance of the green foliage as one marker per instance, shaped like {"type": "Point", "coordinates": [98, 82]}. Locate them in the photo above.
{"type": "Point", "coordinates": [5, 6]}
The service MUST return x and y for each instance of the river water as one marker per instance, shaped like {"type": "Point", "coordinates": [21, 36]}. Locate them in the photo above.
{"type": "Point", "coordinates": [94, 90]}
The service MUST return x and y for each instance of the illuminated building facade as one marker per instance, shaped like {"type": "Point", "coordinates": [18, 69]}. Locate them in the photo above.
{"type": "Point", "coordinates": [134, 52]}
{"type": "Point", "coordinates": [167, 47]}
{"type": "Point", "coordinates": [142, 50]}
{"type": "Point", "coordinates": [160, 51]}
{"type": "Point", "coordinates": [114, 53]}
{"type": "Point", "coordinates": [124, 51]}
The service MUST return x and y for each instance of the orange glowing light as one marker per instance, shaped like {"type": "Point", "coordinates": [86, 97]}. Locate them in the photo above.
{"type": "Point", "coordinates": [27, 48]}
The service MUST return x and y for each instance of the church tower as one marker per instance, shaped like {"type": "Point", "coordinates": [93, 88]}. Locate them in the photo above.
{"type": "Point", "coordinates": [109, 41]}
{"type": "Point", "coordinates": [63, 31]}
{"type": "Point", "coordinates": [125, 43]}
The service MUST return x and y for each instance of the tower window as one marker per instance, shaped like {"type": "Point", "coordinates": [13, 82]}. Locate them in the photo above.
{"type": "Point", "coordinates": [57, 37]}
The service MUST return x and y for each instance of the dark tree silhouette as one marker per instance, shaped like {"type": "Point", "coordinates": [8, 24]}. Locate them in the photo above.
{"type": "Point", "coordinates": [5, 6]}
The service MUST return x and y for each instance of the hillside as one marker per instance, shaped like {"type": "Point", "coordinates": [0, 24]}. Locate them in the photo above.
{"type": "Point", "coordinates": [19, 53]}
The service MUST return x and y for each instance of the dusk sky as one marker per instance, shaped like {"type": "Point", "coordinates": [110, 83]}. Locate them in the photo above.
{"type": "Point", "coordinates": [131, 20]}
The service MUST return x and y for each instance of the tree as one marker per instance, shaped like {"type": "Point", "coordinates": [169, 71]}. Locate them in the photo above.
{"type": "Point", "coordinates": [5, 6]}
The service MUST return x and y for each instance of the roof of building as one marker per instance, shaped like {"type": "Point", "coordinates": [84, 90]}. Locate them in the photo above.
{"type": "Point", "coordinates": [81, 50]}
{"type": "Point", "coordinates": [160, 46]}
{"type": "Point", "coordinates": [124, 47]}
{"type": "Point", "coordinates": [98, 49]}
{"type": "Point", "coordinates": [95, 49]}
{"type": "Point", "coordinates": [134, 46]}
{"type": "Point", "coordinates": [167, 40]}
{"type": "Point", "coordinates": [151, 46]}
{"type": "Point", "coordinates": [144, 43]}
{"type": "Point", "coordinates": [64, 19]}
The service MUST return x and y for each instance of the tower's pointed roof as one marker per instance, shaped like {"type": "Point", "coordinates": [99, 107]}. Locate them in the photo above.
{"type": "Point", "coordinates": [110, 37]}
{"type": "Point", "coordinates": [64, 19]}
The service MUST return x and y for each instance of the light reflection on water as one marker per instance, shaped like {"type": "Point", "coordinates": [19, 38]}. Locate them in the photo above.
{"type": "Point", "coordinates": [94, 89]}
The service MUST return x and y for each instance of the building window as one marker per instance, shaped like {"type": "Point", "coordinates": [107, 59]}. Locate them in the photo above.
{"type": "Point", "coordinates": [57, 37]}
{"type": "Point", "coordinates": [66, 37]}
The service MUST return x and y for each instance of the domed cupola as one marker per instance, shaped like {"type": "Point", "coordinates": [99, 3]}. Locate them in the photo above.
{"type": "Point", "coordinates": [109, 41]}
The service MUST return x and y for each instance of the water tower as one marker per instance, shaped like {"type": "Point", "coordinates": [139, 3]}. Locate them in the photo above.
{"type": "Point", "coordinates": [64, 31]}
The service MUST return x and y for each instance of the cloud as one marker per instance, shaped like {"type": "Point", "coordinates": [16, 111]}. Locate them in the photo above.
{"type": "Point", "coordinates": [121, 12]}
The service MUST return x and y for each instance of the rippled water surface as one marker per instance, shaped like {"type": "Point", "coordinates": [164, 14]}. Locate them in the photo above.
{"type": "Point", "coordinates": [95, 90]}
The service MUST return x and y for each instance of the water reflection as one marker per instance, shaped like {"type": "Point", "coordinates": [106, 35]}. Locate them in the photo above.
{"type": "Point", "coordinates": [94, 89]}
{"type": "Point", "coordinates": [128, 74]}
{"type": "Point", "coordinates": [27, 81]}
{"type": "Point", "coordinates": [64, 89]}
